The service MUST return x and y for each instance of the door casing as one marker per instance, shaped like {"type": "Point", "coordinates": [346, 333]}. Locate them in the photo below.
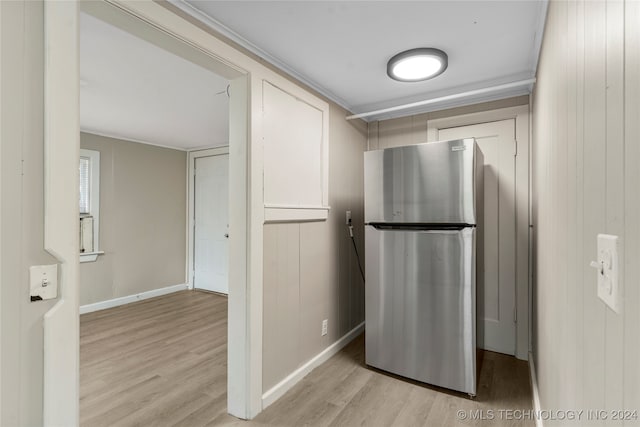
{"type": "Point", "coordinates": [496, 292]}
{"type": "Point", "coordinates": [522, 117]}
{"type": "Point", "coordinates": [61, 333]}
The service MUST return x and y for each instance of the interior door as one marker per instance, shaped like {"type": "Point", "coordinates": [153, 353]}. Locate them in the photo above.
{"type": "Point", "coordinates": [497, 295]}
{"type": "Point", "coordinates": [211, 224]}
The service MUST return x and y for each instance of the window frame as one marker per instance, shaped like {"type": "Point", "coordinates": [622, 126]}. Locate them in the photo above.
{"type": "Point", "coordinates": [94, 202]}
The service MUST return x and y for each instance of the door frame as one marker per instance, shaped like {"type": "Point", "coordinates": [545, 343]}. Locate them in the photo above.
{"type": "Point", "coordinates": [191, 173]}
{"type": "Point", "coordinates": [61, 145]}
{"type": "Point", "coordinates": [521, 114]}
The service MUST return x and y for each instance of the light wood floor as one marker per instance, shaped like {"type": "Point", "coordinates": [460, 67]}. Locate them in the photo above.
{"type": "Point", "coordinates": [162, 362]}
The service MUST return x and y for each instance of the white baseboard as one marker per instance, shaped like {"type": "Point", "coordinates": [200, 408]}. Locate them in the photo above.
{"type": "Point", "coordinates": [283, 386]}
{"type": "Point", "coordinates": [534, 389]}
{"type": "Point", "coordinates": [102, 305]}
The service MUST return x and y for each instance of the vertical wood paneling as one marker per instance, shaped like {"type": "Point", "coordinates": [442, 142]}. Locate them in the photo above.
{"type": "Point", "coordinates": [631, 242]}
{"type": "Point", "coordinates": [578, 246]}
{"type": "Point", "coordinates": [595, 190]}
{"type": "Point", "coordinates": [614, 208]}
{"type": "Point", "coordinates": [560, 222]}
{"type": "Point", "coordinates": [585, 181]}
{"type": "Point", "coordinates": [542, 154]}
{"type": "Point", "coordinates": [310, 270]}
{"type": "Point", "coordinates": [21, 211]}
{"type": "Point", "coordinates": [394, 133]}
{"type": "Point", "coordinates": [314, 297]}
{"type": "Point", "coordinates": [572, 231]}
{"type": "Point", "coordinates": [282, 297]}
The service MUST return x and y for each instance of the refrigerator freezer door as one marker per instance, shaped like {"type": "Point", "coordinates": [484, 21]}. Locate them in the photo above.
{"type": "Point", "coordinates": [420, 305]}
{"type": "Point", "coordinates": [424, 183]}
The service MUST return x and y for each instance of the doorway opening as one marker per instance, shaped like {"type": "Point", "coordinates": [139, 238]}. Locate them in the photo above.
{"type": "Point", "coordinates": [209, 220]}
{"type": "Point", "coordinates": [147, 238]}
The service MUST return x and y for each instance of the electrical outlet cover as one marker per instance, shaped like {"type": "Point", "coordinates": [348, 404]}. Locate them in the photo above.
{"type": "Point", "coordinates": [43, 281]}
{"type": "Point", "coordinates": [609, 289]}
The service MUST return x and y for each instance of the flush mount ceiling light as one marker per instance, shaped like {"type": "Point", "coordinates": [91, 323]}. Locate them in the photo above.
{"type": "Point", "coordinates": [416, 65]}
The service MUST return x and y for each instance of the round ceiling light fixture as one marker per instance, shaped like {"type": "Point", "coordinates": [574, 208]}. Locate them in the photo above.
{"type": "Point", "coordinates": [415, 65]}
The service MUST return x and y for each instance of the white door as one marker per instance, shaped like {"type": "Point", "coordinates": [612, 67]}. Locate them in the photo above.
{"type": "Point", "coordinates": [211, 224]}
{"type": "Point", "coordinates": [497, 298]}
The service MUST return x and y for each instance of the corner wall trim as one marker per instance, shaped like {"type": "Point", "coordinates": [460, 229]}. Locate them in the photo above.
{"type": "Point", "coordinates": [286, 384]}
{"type": "Point", "coordinates": [102, 305]}
{"type": "Point", "coordinates": [534, 390]}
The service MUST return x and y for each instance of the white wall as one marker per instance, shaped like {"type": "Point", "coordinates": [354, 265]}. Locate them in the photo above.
{"type": "Point", "coordinates": [21, 211]}
{"type": "Point", "coordinates": [586, 152]}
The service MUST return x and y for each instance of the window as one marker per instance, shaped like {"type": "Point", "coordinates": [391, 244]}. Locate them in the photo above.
{"type": "Point", "coordinates": [89, 205]}
{"type": "Point", "coordinates": [85, 185]}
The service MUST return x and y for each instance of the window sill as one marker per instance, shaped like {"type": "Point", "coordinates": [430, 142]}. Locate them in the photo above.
{"type": "Point", "coordinates": [90, 256]}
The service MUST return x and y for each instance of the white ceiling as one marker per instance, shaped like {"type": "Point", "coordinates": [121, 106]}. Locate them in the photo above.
{"type": "Point", "coordinates": [341, 47]}
{"type": "Point", "coordinates": [135, 90]}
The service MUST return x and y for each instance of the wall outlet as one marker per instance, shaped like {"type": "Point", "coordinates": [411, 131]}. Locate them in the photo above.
{"type": "Point", "coordinates": [348, 217]}
{"type": "Point", "coordinates": [325, 325]}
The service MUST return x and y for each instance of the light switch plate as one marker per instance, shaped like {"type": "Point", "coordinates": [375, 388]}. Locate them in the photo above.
{"type": "Point", "coordinates": [43, 281]}
{"type": "Point", "coordinates": [608, 268]}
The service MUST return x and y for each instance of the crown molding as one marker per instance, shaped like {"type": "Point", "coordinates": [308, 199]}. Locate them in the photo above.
{"type": "Point", "coordinates": [227, 32]}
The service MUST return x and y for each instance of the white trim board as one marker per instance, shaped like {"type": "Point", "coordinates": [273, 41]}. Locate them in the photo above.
{"type": "Point", "coordinates": [61, 328]}
{"type": "Point", "coordinates": [535, 391]}
{"type": "Point", "coordinates": [127, 139]}
{"type": "Point", "coordinates": [153, 144]}
{"type": "Point", "coordinates": [103, 305]}
{"type": "Point", "coordinates": [278, 390]}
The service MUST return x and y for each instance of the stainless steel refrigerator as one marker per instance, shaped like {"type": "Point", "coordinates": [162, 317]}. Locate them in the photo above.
{"type": "Point", "coordinates": [423, 208]}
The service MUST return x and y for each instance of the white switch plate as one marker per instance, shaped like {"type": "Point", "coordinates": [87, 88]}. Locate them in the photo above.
{"type": "Point", "coordinates": [43, 281]}
{"type": "Point", "coordinates": [325, 325]}
{"type": "Point", "coordinates": [608, 266]}
{"type": "Point", "coordinates": [348, 217]}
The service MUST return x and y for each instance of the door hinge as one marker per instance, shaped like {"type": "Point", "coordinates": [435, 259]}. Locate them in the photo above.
{"type": "Point", "coordinates": [515, 315]}
{"type": "Point", "coordinates": [515, 147]}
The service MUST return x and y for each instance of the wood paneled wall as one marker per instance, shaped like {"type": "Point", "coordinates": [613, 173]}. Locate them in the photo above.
{"type": "Point", "coordinates": [586, 155]}
{"type": "Point", "coordinates": [411, 130]}
{"type": "Point", "coordinates": [310, 269]}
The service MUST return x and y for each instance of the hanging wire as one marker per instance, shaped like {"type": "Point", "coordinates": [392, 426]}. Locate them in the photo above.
{"type": "Point", "coordinates": [355, 248]}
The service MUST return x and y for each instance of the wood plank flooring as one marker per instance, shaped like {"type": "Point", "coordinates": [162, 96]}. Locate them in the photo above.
{"type": "Point", "coordinates": [162, 362]}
